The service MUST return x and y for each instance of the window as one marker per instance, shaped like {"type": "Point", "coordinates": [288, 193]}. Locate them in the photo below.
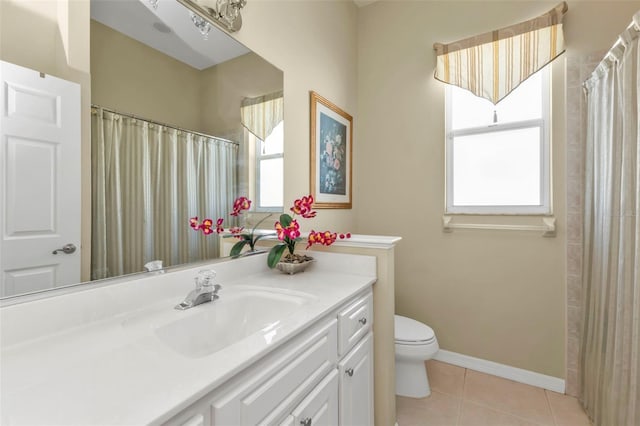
{"type": "Point", "coordinates": [270, 170]}
{"type": "Point", "coordinates": [498, 159]}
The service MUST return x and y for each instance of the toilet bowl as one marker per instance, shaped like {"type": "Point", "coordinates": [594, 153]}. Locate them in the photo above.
{"type": "Point", "coordinates": [415, 343]}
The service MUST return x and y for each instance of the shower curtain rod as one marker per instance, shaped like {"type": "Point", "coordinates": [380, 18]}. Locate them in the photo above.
{"type": "Point", "coordinates": [125, 114]}
{"type": "Point", "coordinates": [633, 26]}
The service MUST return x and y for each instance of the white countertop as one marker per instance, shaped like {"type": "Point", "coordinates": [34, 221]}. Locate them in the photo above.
{"type": "Point", "coordinates": [91, 357]}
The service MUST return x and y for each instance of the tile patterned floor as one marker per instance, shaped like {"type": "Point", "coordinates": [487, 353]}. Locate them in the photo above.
{"type": "Point", "coordinates": [461, 397]}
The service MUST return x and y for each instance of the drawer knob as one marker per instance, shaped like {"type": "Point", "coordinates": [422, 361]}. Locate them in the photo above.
{"type": "Point", "coordinates": [362, 320]}
{"type": "Point", "coordinates": [306, 421]}
{"type": "Point", "coordinates": [349, 372]}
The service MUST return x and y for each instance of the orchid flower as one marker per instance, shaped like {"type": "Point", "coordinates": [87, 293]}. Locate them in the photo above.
{"type": "Point", "coordinates": [219, 227]}
{"type": "Point", "coordinates": [325, 238]}
{"type": "Point", "coordinates": [288, 231]}
{"type": "Point", "coordinates": [240, 204]}
{"type": "Point", "coordinates": [235, 230]}
{"type": "Point", "coordinates": [206, 226]}
{"type": "Point", "coordinates": [303, 207]}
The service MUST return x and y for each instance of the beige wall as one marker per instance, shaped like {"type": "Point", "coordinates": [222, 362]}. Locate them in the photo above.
{"type": "Point", "coordinates": [225, 85]}
{"type": "Point", "coordinates": [494, 295]}
{"type": "Point", "coordinates": [53, 37]}
{"type": "Point", "coordinates": [314, 44]}
{"type": "Point", "coordinates": [130, 77]}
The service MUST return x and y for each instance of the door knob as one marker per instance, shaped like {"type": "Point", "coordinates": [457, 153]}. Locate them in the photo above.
{"type": "Point", "coordinates": [66, 249]}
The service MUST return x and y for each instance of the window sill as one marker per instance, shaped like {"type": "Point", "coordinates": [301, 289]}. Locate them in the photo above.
{"type": "Point", "coordinates": [547, 228]}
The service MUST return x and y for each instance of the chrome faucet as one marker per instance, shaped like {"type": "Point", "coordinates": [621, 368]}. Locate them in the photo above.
{"type": "Point", "coordinates": [205, 291]}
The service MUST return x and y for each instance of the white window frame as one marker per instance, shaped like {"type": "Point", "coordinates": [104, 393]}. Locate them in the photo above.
{"type": "Point", "coordinates": [545, 207]}
{"type": "Point", "coordinates": [258, 158]}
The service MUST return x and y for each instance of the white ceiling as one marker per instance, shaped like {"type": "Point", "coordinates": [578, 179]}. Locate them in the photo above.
{"type": "Point", "coordinates": [136, 19]}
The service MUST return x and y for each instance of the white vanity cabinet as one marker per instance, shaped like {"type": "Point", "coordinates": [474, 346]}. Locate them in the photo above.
{"type": "Point", "coordinates": [323, 376]}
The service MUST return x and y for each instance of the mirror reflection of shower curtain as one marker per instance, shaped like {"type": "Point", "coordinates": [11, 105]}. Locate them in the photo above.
{"type": "Point", "coordinates": [147, 181]}
{"type": "Point", "coordinates": [610, 337]}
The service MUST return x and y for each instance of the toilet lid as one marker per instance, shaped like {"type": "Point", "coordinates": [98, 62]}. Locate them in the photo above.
{"type": "Point", "coordinates": [410, 330]}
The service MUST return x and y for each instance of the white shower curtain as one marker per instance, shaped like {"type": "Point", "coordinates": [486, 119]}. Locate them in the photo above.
{"type": "Point", "coordinates": [147, 181]}
{"type": "Point", "coordinates": [610, 338]}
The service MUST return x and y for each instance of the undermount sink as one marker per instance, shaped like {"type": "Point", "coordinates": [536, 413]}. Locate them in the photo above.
{"type": "Point", "coordinates": [207, 328]}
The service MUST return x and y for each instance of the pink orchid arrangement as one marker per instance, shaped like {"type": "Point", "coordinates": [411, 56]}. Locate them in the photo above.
{"type": "Point", "coordinates": [288, 231]}
{"type": "Point", "coordinates": [239, 205]}
{"type": "Point", "coordinates": [206, 226]}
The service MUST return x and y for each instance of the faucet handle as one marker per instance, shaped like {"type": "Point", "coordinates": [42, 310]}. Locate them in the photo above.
{"type": "Point", "coordinates": [154, 265]}
{"type": "Point", "coordinates": [205, 278]}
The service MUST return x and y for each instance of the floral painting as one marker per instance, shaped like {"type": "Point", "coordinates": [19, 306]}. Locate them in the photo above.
{"type": "Point", "coordinates": [331, 148]}
{"type": "Point", "coordinates": [333, 171]}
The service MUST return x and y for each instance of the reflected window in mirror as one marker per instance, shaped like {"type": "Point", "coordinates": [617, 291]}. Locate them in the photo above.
{"type": "Point", "coordinates": [270, 171]}
{"type": "Point", "coordinates": [262, 119]}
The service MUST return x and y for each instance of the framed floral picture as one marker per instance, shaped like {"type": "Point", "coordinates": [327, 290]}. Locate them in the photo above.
{"type": "Point", "coordinates": [331, 151]}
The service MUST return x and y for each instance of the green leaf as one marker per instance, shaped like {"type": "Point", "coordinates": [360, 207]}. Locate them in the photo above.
{"type": "Point", "coordinates": [275, 254]}
{"type": "Point", "coordinates": [237, 248]}
{"type": "Point", "coordinates": [285, 220]}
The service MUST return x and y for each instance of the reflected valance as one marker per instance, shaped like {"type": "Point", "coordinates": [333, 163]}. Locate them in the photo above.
{"type": "Point", "coordinates": [262, 114]}
{"type": "Point", "coordinates": [491, 65]}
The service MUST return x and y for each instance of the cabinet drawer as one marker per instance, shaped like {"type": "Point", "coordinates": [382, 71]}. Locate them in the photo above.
{"type": "Point", "coordinates": [282, 384]}
{"type": "Point", "coordinates": [354, 322]}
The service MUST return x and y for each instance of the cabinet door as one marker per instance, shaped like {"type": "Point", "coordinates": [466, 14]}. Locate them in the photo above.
{"type": "Point", "coordinates": [356, 385]}
{"type": "Point", "coordinates": [320, 407]}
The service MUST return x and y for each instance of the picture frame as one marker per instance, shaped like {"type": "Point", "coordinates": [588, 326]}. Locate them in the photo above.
{"type": "Point", "coordinates": [331, 154]}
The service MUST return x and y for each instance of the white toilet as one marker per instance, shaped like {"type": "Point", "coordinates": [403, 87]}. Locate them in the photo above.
{"type": "Point", "coordinates": [415, 343]}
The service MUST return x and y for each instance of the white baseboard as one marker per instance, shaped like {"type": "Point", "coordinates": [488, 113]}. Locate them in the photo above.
{"type": "Point", "coordinates": [501, 370]}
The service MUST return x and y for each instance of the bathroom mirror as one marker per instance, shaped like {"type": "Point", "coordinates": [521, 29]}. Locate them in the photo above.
{"type": "Point", "coordinates": [157, 68]}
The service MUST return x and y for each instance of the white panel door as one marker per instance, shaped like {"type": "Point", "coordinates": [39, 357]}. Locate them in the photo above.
{"type": "Point", "coordinates": [39, 180]}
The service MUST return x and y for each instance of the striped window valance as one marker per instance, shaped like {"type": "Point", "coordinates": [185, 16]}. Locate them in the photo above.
{"type": "Point", "coordinates": [491, 65]}
{"type": "Point", "coordinates": [262, 114]}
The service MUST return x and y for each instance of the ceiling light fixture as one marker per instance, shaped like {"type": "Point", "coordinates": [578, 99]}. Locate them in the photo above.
{"type": "Point", "coordinates": [201, 24]}
{"type": "Point", "coordinates": [223, 13]}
